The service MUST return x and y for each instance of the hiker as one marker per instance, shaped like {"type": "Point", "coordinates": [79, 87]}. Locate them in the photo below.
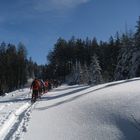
{"type": "Point", "coordinates": [46, 86]}
{"type": "Point", "coordinates": [35, 89]}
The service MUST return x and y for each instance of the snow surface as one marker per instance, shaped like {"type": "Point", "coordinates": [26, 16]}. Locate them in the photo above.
{"type": "Point", "coordinates": [105, 112]}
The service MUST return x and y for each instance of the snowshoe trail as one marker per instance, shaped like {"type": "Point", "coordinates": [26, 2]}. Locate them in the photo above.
{"type": "Point", "coordinates": [14, 114]}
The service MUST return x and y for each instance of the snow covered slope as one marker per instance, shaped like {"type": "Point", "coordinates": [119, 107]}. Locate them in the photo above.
{"type": "Point", "coordinates": [14, 108]}
{"type": "Point", "coordinates": [105, 112]}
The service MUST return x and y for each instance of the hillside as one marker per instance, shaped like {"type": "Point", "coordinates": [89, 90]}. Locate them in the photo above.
{"type": "Point", "coordinates": [104, 112]}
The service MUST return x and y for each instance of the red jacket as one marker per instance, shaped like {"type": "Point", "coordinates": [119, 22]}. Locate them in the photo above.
{"type": "Point", "coordinates": [35, 85]}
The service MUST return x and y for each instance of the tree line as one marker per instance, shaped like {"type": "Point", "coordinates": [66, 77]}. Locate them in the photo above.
{"type": "Point", "coordinates": [86, 60]}
{"type": "Point", "coordinates": [76, 61]}
{"type": "Point", "coordinates": [15, 68]}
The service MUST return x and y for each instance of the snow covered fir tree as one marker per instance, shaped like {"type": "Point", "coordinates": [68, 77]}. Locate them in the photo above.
{"type": "Point", "coordinates": [129, 56]}
{"type": "Point", "coordinates": [95, 71]}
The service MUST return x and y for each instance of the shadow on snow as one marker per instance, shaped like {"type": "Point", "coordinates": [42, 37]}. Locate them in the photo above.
{"type": "Point", "coordinates": [78, 96]}
{"type": "Point", "coordinates": [69, 93]}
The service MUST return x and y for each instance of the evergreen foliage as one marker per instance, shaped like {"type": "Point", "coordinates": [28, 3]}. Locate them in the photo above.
{"type": "Point", "coordinates": [95, 71]}
{"type": "Point", "coordinates": [15, 68]}
{"type": "Point", "coordinates": [119, 58]}
{"type": "Point", "coordinates": [76, 61]}
{"type": "Point", "coordinates": [137, 34]}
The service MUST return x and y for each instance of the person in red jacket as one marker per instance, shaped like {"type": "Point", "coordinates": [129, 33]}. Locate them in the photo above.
{"type": "Point", "coordinates": [35, 86]}
{"type": "Point", "coordinates": [46, 86]}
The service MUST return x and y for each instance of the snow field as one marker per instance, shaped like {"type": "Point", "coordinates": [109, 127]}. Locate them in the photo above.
{"type": "Point", "coordinates": [10, 119]}
{"type": "Point", "coordinates": [104, 112]}
{"type": "Point", "coordinates": [14, 108]}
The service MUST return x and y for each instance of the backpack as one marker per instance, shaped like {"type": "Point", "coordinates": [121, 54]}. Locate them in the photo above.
{"type": "Point", "coordinates": [35, 85]}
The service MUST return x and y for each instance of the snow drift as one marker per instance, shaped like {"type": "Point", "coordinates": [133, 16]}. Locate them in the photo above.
{"type": "Point", "coordinates": [104, 112]}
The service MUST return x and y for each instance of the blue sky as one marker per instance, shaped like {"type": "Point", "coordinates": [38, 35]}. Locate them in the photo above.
{"type": "Point", "coordinates": [39, 23]}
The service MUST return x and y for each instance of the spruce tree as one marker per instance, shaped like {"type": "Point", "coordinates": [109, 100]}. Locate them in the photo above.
{"type": "Point", "coordinates": [22, 71]}
{"type": "Point", "coordinates": [95, 71]}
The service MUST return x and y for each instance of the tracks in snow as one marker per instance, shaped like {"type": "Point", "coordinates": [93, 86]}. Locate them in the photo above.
{"type": "Point", "coordinates": [21, 117]}
{"type": "Point", "coordinates": [14, 117]}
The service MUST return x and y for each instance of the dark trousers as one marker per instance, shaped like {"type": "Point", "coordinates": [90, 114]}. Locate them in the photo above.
{"type": "Point", "coordinates": [35, 94]}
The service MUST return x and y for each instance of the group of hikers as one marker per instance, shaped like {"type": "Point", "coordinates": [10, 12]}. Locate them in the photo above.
{"type": "Point", "coordinates": [39, 87]}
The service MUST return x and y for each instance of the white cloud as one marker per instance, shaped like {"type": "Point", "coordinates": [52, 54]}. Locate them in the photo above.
{"type": "Point", "coordinates": [68, 3]}
{"type": "Point", "coordinates": [33, 9]}
{"type": "Point", "coordinates": [43, 5]}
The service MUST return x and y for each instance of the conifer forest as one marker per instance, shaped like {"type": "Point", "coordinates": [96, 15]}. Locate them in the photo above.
{"type": "Point", "coordinates": [74, 61]}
